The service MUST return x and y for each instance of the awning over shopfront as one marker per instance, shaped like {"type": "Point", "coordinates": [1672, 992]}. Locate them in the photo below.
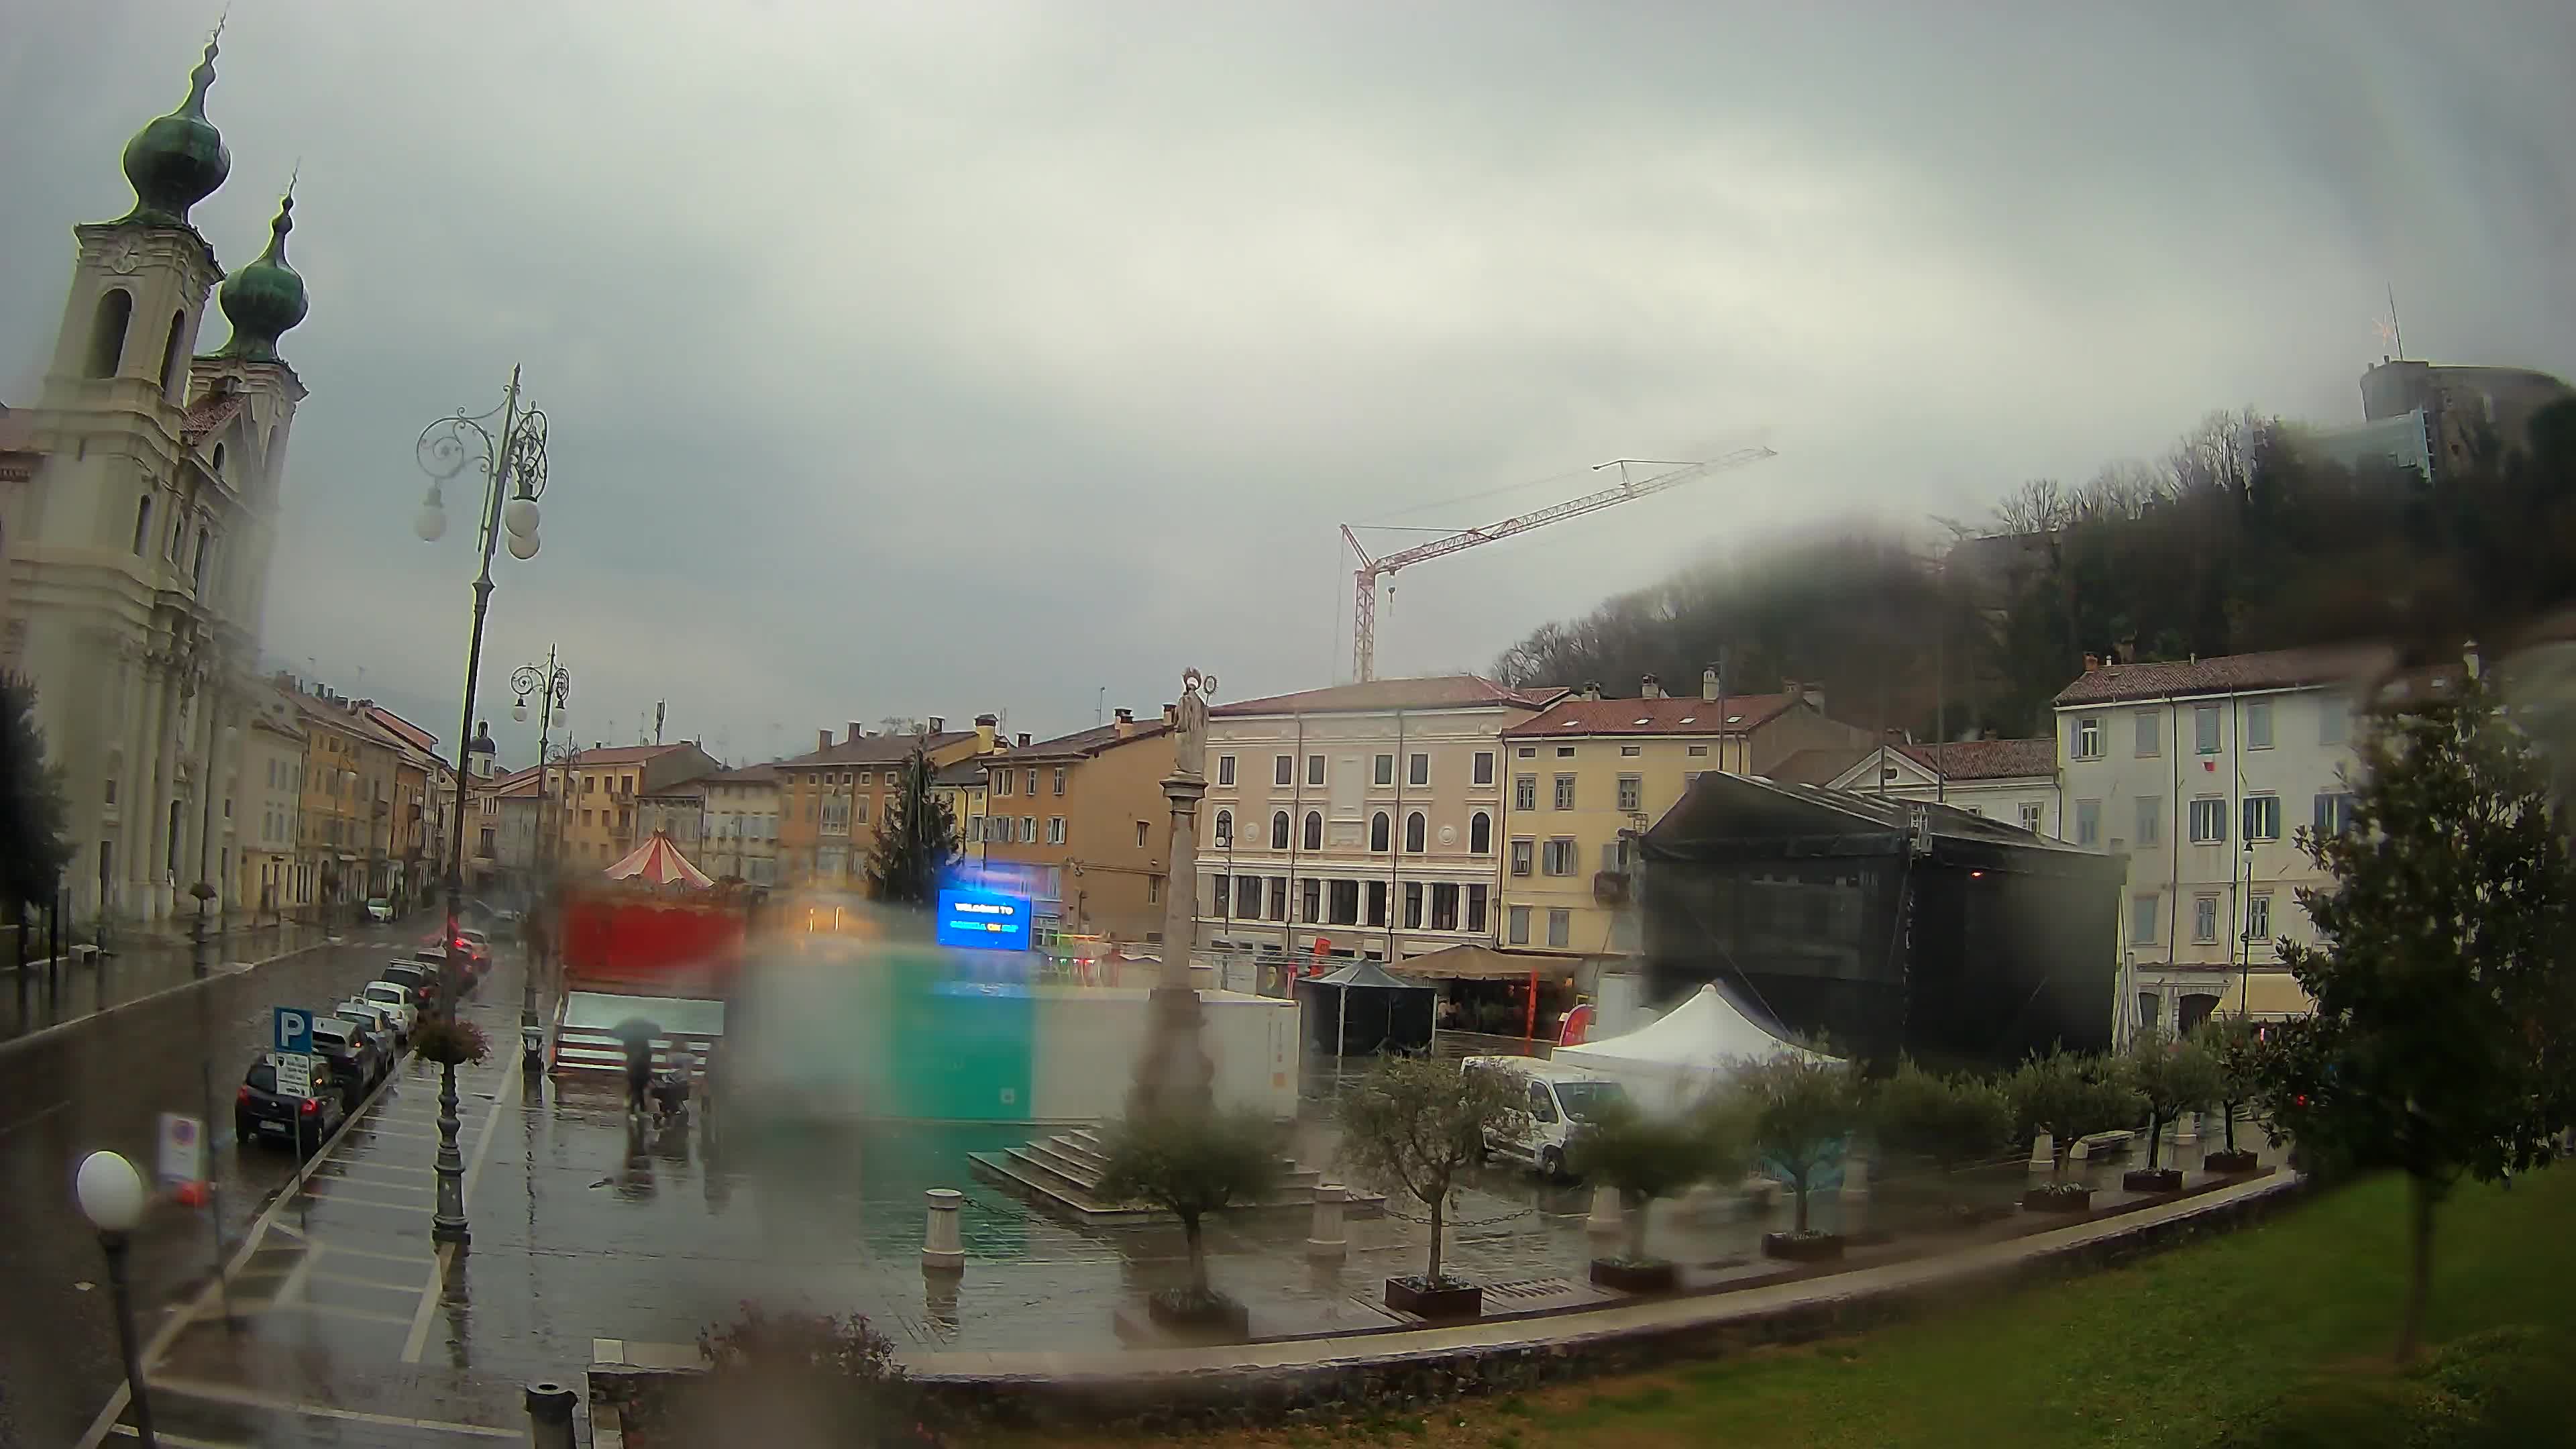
{"type": "Point", "coordinates": [1484, 963]}
{"type": "Point", "coordinates": [657, 862]}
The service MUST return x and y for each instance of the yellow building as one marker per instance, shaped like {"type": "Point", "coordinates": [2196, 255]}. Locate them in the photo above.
{"type": "Point", "coordinates": [273, 882]}
{"type": "Point", "coordinates": [346, 834]}
{"type": "Point", "coordinates": [966, 787]}
{"type": "Point", "coordinates": [1085, 821]}
{"type": "Point", "coordinates": [1586, 775]}
{"type": "Point", "coordinates": [602, 784]}
{"type": "Point", "coordinates": [832, 801]}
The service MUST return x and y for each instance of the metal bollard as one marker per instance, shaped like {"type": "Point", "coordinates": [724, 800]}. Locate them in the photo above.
{"type": "Point", "coordinates": [942, 1247]}
{"type": "Point", "coordinates": [1327, 1239]}
{"type": "Point", "coordinates": [1853, 1201]}
{"type": "Point", "coordinates": [550, 1408]}
{"type": "Point", "coordinates": [2043, 1153]}
{"type": "Point", "coordinates": [1606, 1221]}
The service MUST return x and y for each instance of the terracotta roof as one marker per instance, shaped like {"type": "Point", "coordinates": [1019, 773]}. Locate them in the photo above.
{"type": "Point", "coordinates": [1985, 759]}
{"type": "Point", "coordinates": [420, 738]}
{"type": "Point", "coordinates": [1816, 766]}
{"type": "Point", "coordinates": [762, 774]}
{"type": "Point", "coordinates": [1441, 691]}
{"type": "Point", "coordinates": [623, 754]}
{"type": "Point", "coordinates": [963, 774]}
{"type": "Point", "coordinates": [517, 782]}
{"type": "Point", "coordinates": [1083, 744]}
{"type": "Point", "coordinates": [2224, 674]}
{"type": "Point", "coordinates": [874, 750]}
{"type": "Point", "coordinates": [1686, 715]}
{"type": "Point", "coordinates": [209, 413]}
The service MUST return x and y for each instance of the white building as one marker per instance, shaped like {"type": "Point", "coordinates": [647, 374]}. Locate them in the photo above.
{"type": "Point", "coordinates": [138, 549]}
{"type": "Point", "coordinates": [1358, 821]}
{"type": "Point", "coordinates": [2201, 773]}
{"type": "Point", "coordinates": [2012, 781]}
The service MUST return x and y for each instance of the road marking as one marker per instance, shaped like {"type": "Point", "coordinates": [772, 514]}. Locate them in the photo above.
{"type": "Point", "coordinates": [354, 1281]}
{"type": "Point", "coordinates": [338, 1199]}
{"type": "Point", "coordinates": [344, 1168]}
{"type": "Point", "coordinates": [34, 1117]}
{"type": "Point", "coordinates": [336, 1250]}
{"type": "Point", "coordinates": [436, 1288]}
{"type": "Point", "coordinates": [333, 1310]}
{"type": "Point", "coordinates": [226, 1394]}
{"type": "Point", "coordinates": [177, 1441]}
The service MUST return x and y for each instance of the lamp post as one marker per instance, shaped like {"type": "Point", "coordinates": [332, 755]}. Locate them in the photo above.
{"type": "Point", "coordinates": [553, 686]}
{"type": "Point", "coordinates": [111, 1197]}
{"type": "Point", "coordinates": [515, 458]}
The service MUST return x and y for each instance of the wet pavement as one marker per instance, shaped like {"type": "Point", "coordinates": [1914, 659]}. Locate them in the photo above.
{"type": "Point", "coordinates": [588, 1226]}
{"type": "Point", "coordinates": [36, 995]}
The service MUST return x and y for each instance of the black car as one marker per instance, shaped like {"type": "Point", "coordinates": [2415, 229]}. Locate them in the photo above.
{"type": "Point", "coordinates": [421, 980]}
{"type": "Point", "coordinates": [357, 1059]}
{"type": "Point", "coordinates": [260, 1110]}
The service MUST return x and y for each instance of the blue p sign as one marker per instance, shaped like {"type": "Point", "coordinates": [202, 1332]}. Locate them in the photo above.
{"type": "Point", "coordinates": [293, 1031]}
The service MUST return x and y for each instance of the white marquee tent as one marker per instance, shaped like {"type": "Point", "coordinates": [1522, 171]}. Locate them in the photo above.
{"type": "Point", "coordinates": [1671, 1063]}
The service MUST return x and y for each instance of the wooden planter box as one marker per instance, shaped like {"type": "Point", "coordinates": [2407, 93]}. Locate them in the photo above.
{"type": "Point", "coordinates": [2151, 1179]}
{"type": "Point", "coordinates": [1450, 1299]}
{"type": "Point", "coordinates": [1651, 1277]}
{"type": "Point", "coordinates": [1803, 1248]}
{"type": "Point", "coordinates": [2241, 1160]}
{"type": "Point", "coordinates": [2041, 1200]}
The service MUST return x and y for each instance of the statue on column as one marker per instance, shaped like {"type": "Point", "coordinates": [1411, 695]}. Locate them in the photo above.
{"type": "Point", "coordinates": [1190, 725]}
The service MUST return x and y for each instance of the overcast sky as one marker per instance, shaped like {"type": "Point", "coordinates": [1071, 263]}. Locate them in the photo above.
{"type": "Point", "coordinates": [935, 359]}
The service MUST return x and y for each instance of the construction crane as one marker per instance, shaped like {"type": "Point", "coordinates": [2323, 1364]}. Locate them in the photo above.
{"type": "Point", "coordinates": [1364, 602]}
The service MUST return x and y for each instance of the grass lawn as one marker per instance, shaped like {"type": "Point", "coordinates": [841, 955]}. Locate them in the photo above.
{"type": "Point", "coordinates": [2167, 1351]}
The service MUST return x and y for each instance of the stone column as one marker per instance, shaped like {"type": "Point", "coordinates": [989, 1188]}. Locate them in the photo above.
{"type": "Point", "coordinates": [2043, 1154]}
{"type": "Point", "coordinates": [1174, 1073]}
{"type": "Point", "coordinates": [943, 1248]}
{"type": "Point", "coordinates": [1327, 1238]}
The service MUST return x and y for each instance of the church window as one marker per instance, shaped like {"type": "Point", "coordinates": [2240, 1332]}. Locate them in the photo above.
{"type": "Point", "coordinates": [205, 540]}
{"type": "Point", "coordinates": [173, 371]}
{"type": "Point", "coordinates": [142, 522]}
{"type": "Point", "coordinates": [107, 331]}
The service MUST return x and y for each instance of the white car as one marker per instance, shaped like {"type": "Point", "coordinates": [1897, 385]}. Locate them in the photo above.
{"type": "Point", "coordinates": [380, 909]}
{"type": "Point", "coordinates": [1560, 1098]}
{"type": "Point", "coordinates": [374, 1015]}
{"type": "Point", "coordinates": [394, 999]}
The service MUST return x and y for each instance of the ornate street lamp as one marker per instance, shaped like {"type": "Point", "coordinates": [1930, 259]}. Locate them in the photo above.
{"type": "Point", "coordinates": [111, 1197]}
{"type": "Point", "coordinates": [553, 686]}
{"type": "Point", "coordinates": [513, 465]}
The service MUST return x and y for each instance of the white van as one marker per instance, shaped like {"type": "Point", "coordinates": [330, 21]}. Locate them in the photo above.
{"type": "Point", "coordinates": [1557, 1100]}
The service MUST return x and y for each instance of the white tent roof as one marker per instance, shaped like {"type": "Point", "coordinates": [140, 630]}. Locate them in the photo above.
{"type": "Point", "coordinates": [1707, 1033]}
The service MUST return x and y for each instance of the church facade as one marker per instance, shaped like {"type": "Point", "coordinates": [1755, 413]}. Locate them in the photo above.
{"type": "Point", "coordinates": [138, 533]}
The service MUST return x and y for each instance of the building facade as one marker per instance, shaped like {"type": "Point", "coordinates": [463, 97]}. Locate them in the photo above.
{"type": "Point", "coordinates": [1363, 820]}
{"type": "Point", "coordinates": [2012, 781]}
{"type": "Point", "coordinates": [137, 549]}
{"type": "Point", "coordinates": [742, 825]}
{"type": "Point", "coordinates": [1083, 822]}
{"type": "Point", "coordinates": [603, 789]}
{"type": "Point", "coordinates": [832, 800]}
{"type": "Point", "coordinates": [268, 804]}
{"type": "Point", "coordinates": [2201, 773]}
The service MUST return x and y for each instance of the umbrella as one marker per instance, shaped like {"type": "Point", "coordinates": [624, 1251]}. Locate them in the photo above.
{"type": "Point", "coordinates": [636, 1031]}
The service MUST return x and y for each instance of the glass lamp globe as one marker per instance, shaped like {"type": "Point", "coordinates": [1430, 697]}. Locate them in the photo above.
{"type": "Point", "coordinates": [523, 545]}
{"type": "Point", "coordinates": [110, 1192]}
{"type": "Point", "coordinates": [519, 711]}
{"type": "Point", "coordinates": [519, 515]}
{"type": "Point", "coordinates": [431, 522]}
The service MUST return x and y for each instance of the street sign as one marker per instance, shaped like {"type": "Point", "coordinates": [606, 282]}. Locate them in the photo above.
{"type": "Point", "coordinates": [183, 1150]}
{"type": "Point", "coordinates": [294, 1073]}
{"type": "Point", "coordinates": [291, 1031]}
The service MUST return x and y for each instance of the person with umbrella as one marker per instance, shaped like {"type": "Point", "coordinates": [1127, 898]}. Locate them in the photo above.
{"type": "Point", "coordinates": [638, 1033]}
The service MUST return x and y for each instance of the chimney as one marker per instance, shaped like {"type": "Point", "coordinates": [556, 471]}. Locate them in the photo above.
{"type": "Point", "coordinates": [1650, 687]}
{"type": "Point", "coordinates": [1024, 739]}
{"type": "Point", "coordinates": [1708, 683]}
{"type": "Point", "coordinates": [857, 733]}
{"type": "Point", "coordinates": [939, 724]}
{"type": "Point", "coordinates": [823, 739]}
{"type": "Point", "coordinates": [986, 728]}
{"type": "Point", "coordinates": [2092, 663]}
{"type": "Point", "coordinates": [1126, 723]}
{"type": "Point", "coordinates": [1592, 689]}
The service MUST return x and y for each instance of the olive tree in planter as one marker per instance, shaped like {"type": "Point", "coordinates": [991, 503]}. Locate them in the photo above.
{"type": "Point", "coordinates": [2170, 1078]}
{"type": "Point", "coordinates": [1643, 1158]}
{"type": "Point", "coordinates": [1942, 1122]}
{"type": "Point", "coordinates": [1412, 1125]}
{"type": "Point", "coordinates": [1191, 1164]}
{"type": "Point", "coordinates": [2237, 1050]}
{"type": "Point", "coordinates": [2070, 1098]}
{"type": "Point", "coordinates": [1798, 1112]}
{"type": "Point", "coordinates": [789, 1377]}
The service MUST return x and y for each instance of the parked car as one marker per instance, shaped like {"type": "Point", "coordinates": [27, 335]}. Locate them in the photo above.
{"type": "Point", "coordinates": [477, 947]}
{"type": "Point", "coordinates": [380, 909]}
{"type": "Point", "coordinates": [355, 1057]}
{"type": "Point", "coordinates": [260, 1110]}
{"type": "Point", "coordinates": [397, 999]}
{"type": "Point", "coordinates": [1559, 1097]}
{"type": "Point", "coordinates": [413, 976]}
{"type": "Point", "coordinates": [377, 1018]}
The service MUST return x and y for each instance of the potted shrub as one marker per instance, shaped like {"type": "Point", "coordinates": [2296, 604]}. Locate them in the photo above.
{"type": "Point", "coordinates": [794, 1378]}
{"type": "Point", "coordinates": [1941, 1122]}
{"type": "Point", "coordinates": [1412, 1125]}
{"type": "Point", "coordinates": [2170, 1078]}
{"type": "Point", "coordinates": [1191, 1164]}
{"type": "Point", "coordinates": [451, 1041]}
{"type": "Point", "coordinates": [1798, 1113]}
{"type": "Point", "coordinates": [2234, 1046]}
{"type": "Point", "coordinates": [1644, 1158]}
{"type": "Point", "coordinates": [2069, 1098]}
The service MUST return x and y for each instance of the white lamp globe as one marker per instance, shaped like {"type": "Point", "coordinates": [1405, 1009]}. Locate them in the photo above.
{"type": "Point", "coordinates": [519, 515]}
{"type": "Point", "coordinates": [523, 545]}
{"type": "Point", "coordinates": [110, 1192]}
{"type": "Point", "coordinates": [519, 711]}
{"type": "Point", "coordinates": [431, 522]}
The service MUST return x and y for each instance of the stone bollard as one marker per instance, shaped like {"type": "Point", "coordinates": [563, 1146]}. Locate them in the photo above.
{"type": "Point", "coordinates": [1703, 1203]}
{"type": "Point", "coordinates": [1854, 1199]}
{"type": "Point", "coordinates": [1607, 1221]}
{"type": "Point", "coordinates": [2043, 1153]}
{"type": "Point", "coordinates": [1326, 1239]}
{"type": "Point", "coordinates": [2080, 1157]}
{"type": "Point", "coordinates": [942, 1248]}
{"type": "Point", "coordinates": [2187, 1130]}
{"type": "Point", "coordinates": [550, 1409]}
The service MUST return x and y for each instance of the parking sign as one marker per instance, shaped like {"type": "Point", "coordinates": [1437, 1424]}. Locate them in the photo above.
{"type": "Point", "coordinates": [292, 1031]}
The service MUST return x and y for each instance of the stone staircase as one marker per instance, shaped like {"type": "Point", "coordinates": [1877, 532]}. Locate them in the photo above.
{"type": "Point", "coordinates": [1063, 1172]}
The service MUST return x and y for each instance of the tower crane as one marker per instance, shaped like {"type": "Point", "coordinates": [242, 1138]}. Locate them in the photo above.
{"type": "Point", "coordinates": [1364, 603]}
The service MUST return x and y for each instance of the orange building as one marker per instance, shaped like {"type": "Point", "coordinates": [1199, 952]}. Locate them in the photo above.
{"type": "Point", "coordinates": [1085, 816]}
{"type": "Point", "coordinates": [832, 801]}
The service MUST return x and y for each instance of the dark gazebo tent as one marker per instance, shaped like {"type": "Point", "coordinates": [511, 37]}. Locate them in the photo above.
{"type": "Point", "coordinates": [1363, 1009]}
